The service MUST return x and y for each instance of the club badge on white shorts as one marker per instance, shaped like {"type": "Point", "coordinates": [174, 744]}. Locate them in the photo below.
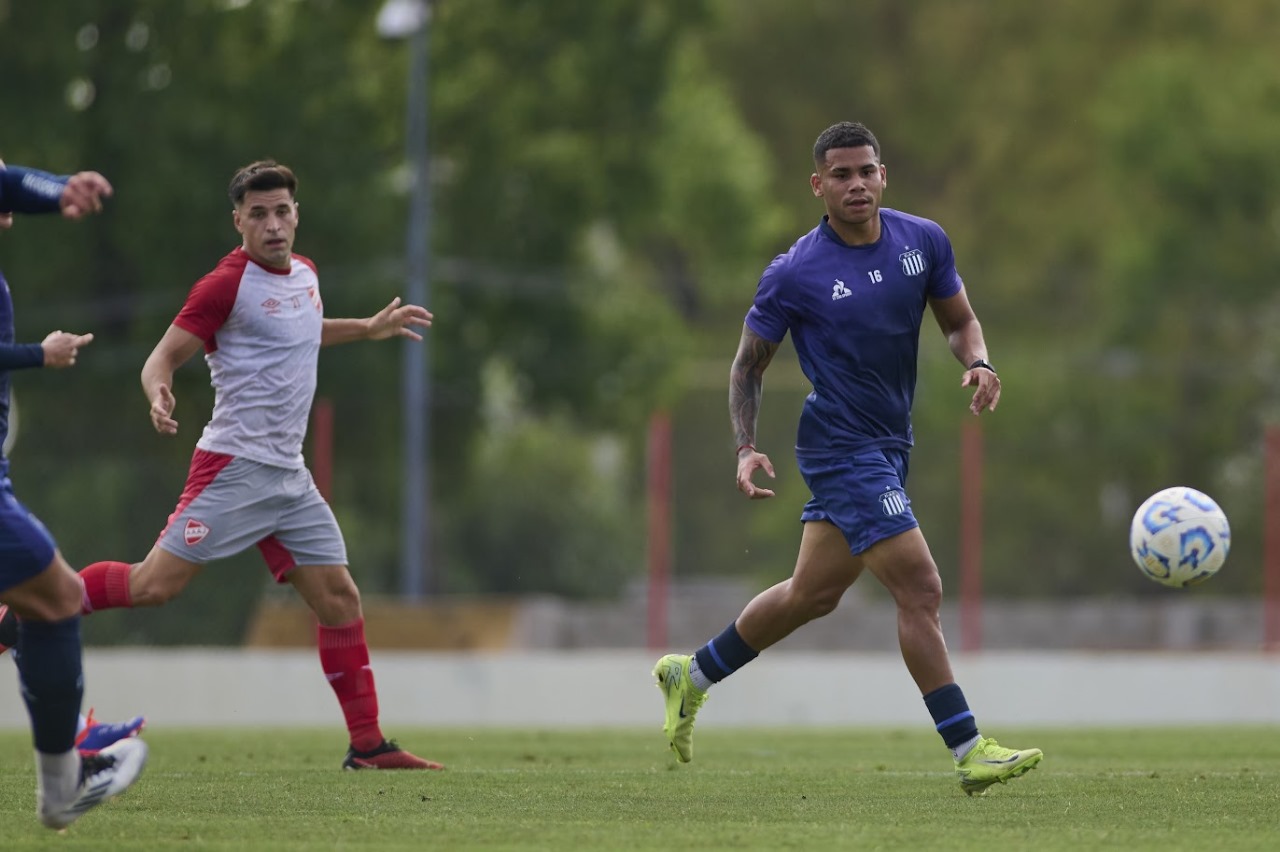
{"type": "Point", "coordinates": [194, 532]}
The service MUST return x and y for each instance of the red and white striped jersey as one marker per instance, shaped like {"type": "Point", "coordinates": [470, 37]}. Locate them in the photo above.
{"type": "Point", "coordinates": [261, 330]}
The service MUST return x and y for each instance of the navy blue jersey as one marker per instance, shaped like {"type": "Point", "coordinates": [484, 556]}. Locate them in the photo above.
{"type": "Point", "coordinates": [12, 356]}
{"type": "Point", "coordinates": [23, 191]}
{"type": "Point", "coordinates": [854, 313]}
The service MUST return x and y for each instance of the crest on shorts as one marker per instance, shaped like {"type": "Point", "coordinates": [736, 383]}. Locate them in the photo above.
{"type": "Point", "coordinates": [913, 262]}
{"type": "Point", "coordinates": [893, 502]}
{"type": "Point", "coordinates": [194, 532]}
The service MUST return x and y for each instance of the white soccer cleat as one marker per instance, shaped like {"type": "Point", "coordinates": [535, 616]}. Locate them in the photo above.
{"type": "Point", "coordinates": [102, 776]}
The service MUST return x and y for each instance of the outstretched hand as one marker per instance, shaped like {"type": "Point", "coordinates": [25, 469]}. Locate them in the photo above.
{"type": "Point", "coordinates": [395, 320]}
{"type": "Point", "coordinates": [748, 463]}
{"type": "Point", "coordinates": [83, 195]}
{"type": "Point", "coordinates": [987, 394]}
{"type": "Point", "coordinates": [162, 411]}
{"type": "Point", "coordinates": [60, 348]}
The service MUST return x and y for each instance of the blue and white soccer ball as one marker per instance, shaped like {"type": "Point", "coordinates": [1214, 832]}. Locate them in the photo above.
{"type": "Point", "coordinates": [1179, 537]}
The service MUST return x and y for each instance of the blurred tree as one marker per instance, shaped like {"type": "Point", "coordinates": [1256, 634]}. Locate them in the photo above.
{"type": "Point", "coordinates": [168, 99]}
{"type": "Point", "coordinates": [597, 206]}
{"type": "Point", "coordinates": [610, 179]}
{"type": "Point", "coordinates": [1105, 177]}
{"type": "Point", "coordinates": [571, 252]}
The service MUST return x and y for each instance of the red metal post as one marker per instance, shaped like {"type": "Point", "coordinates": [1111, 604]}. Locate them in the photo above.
{"type": "Point", "coordinates": [971, 463]}
{"type": "Point", "coordinates": [658, 459]}
{"type": "Point", "coordinates": [322, 445]}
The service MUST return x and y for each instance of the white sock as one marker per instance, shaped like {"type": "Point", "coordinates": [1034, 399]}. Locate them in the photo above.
{"type": "Point", "coordinates": [965, 747]}
{"type": "Point", "coordinates": [58, 776]}
{"type": "Point", "coordinates": [699, 679]}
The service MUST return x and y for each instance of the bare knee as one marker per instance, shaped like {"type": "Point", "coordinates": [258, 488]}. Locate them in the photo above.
{"type": "Point", "coordinates": [811, 603]}
{"type": "Point", "coordinates": [55, 594]}
{"type": "Point", "coordinates": [330, 591]}
{"type": "Point", "coordinates": [338, 611]}
{"type": "Point", "coordinates": [341, 604]}
{"type": "Point", "coordinates": [922, 599]}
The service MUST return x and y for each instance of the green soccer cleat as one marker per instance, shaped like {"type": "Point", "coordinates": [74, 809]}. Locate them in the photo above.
{"type": "Point", "coordinates": [683, 701]}
{"type": "Point", "coordinates": [990, 763]}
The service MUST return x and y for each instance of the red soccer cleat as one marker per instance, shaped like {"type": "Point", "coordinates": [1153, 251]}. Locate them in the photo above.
{"type": "Point", "coordinates": [388, 755]}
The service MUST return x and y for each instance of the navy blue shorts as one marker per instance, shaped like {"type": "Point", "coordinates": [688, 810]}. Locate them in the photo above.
{"type": "Point", "coordinates": [864, 495]}
{"type": "Point", "coordinates": [26, 548]}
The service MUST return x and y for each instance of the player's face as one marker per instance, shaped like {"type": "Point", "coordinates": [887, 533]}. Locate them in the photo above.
{"type": "Point", "coordinates": [851, 181]}
{"type": "Point", "coordinates": [267, 219]}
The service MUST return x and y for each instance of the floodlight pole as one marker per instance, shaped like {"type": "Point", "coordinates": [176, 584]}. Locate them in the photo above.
{"type": "Point", "coordinates": [411, 19]}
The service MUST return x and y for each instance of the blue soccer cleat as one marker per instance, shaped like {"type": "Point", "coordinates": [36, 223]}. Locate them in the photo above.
{"type": "Point", "coordinates": [96, 736]}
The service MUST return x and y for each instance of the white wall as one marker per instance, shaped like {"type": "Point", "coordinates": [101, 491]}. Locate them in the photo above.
{"type": "Point", "coordinates": [614, 688]}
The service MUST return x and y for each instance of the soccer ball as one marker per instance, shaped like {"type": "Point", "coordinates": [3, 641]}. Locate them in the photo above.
{"type": "Point", "coordinates": [1179, 537]}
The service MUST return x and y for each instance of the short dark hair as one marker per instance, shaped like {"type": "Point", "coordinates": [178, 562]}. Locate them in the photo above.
{"type": "Point", "coordinates": [846, 134]}
{"type": "Point", "coordinates": [260, 176]}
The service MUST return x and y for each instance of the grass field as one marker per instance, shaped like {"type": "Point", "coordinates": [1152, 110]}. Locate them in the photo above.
{"type": "Point", "coordinates": [1167, 790]}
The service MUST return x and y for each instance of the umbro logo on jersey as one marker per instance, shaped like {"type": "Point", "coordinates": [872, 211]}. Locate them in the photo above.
{"type": "Point", "coordinates": [839, 291]}
{"type": "Point", "coordinates": [271, 306]}
{"type": "Point", "coordinates": [913, 262]}
{"type": "Point", "coordinates": [194, 532]}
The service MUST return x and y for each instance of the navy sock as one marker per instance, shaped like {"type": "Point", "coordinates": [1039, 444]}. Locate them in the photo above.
{"type": "Point", "coordinates": [951, 714]}
{"type": "Point", "coordinates": [724, 655]}
{"type": "Point", "coordinates": [48, 656]}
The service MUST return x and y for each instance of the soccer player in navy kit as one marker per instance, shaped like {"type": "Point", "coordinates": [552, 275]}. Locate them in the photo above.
{"type": "Point", "coordinates": [852, 292]}
{"type": "Point", "coordinates": [36, 582]}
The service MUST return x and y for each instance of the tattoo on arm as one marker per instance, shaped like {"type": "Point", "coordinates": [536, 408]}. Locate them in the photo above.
{"type": "Point", "coordinates": [746, 384]}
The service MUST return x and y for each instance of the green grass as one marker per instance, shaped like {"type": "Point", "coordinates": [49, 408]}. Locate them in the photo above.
{"type": "Point", "coordinates": [812, 789]}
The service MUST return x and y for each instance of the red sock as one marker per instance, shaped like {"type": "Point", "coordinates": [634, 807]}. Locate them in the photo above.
{"type": "Point", "coordinates": [344, 655]}
{"type": "Point", "coordinates": [106, 586]}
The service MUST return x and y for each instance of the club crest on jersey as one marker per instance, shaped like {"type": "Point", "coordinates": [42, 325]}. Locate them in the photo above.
{"type": "Point", "coordinates": [913, 262]}
{"type": "Point", "coordinates": [194, 532]}
{"type": "Point", "coordinates": [893, 502]}
{"type": "Point", "coordinates": [839, 291]}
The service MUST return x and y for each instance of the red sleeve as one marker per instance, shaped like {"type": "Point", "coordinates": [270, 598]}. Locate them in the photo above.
{"type": "Point", "coordinates": [211, 298]}
{"type": "Point", "coordinates": [309, 262]}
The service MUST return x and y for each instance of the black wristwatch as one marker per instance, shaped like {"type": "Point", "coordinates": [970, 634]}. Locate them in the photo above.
{"type": "Point", "coordinates": [983, 364]}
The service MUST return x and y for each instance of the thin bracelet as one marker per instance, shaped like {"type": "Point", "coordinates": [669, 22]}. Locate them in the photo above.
{"type": "Point", "coordinates": [751, 447]}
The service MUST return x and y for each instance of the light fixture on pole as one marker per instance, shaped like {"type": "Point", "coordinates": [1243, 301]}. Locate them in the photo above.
{"type": "Point", "coordinates": [410, 20]}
